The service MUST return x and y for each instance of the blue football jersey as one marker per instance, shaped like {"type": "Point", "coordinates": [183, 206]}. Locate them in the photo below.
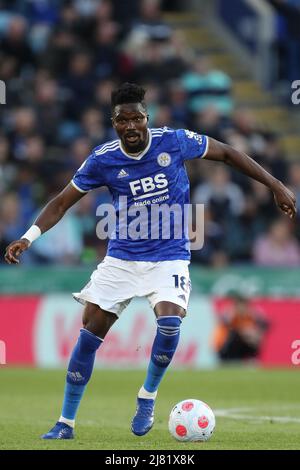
{"type": "Point", "coordinates": [149, 193]}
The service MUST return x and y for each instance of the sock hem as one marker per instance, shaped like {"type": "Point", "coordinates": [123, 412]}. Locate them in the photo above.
{"type": "Point", "coordinates": [143, 393]}
{"type": "Point", "coordinates": [69, 422]}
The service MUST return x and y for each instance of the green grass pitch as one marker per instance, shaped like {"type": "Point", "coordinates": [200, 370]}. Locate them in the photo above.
{"type": "Point", "coordinates": [255, 409]}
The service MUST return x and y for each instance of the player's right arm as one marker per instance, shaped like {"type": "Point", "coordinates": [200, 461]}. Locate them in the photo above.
{"type": "Point", "coordinates": [49, 216]}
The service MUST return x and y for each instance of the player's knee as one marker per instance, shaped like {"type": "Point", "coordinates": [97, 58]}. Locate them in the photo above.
{"type": "Point", "coordinates": [97, 327]}
{"type": "Point", "coordinates": [166, 309]}
{"type": "Point", "coordinates": [179, 314]}
{"type": "Point", "coordinates": [97, 321]}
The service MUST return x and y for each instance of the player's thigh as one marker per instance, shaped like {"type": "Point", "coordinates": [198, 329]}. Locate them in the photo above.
{"type": "Point", "coordinates": [170, 288]}
{"type": "Point", "coordinates": [96, 320]}
{"type": "Point", "coordinates": [112, 286]}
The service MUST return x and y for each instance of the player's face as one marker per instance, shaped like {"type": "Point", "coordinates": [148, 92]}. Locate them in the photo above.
{"type": "Point", "coordinates": [130, 122]}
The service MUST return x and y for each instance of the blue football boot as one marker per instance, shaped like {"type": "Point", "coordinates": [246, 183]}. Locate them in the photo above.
{"type": "Point", "coordinates": [60, 431]}
{"type": "Point", "coordinates": [144, 416]}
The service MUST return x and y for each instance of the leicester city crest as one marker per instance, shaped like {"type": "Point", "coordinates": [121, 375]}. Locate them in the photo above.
{"type": "Point", "coordinates": [164, 159]}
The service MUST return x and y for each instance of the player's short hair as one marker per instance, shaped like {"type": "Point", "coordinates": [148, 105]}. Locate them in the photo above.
{"type": "Point", "coordinates": [128, 93]}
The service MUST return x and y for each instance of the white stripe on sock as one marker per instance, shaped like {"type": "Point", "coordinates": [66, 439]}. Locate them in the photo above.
{"type": "Point", "coordinates": [143, 393]}
{"type": "Point", "coordinates": [70, 422]}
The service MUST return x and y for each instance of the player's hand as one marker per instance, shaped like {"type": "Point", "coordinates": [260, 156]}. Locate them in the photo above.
{"type": "Point", "coordinates": [285, 199]}
{"type": "Point", "coordinates": [14, 250]}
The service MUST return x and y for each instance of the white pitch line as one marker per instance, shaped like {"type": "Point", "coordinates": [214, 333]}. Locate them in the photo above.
{"type": "Point", "coordinates": [235, 413]}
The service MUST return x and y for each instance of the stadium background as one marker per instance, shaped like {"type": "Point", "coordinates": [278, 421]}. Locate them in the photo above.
{"type": "Point", "coordinates": [230, 79]}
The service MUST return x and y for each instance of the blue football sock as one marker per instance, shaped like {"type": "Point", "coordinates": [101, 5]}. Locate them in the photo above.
{"type": "Point", "coordinates": [79, 371]}
{"type": "Point", "coordinates": [163, 349]}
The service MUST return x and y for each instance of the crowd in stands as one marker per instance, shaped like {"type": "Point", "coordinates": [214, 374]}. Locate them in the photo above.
{"type": "Point", "coordinates": [60, 61]}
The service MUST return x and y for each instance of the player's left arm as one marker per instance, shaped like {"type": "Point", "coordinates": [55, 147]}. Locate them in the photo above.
{"type": "Point", "coordinates": [284, 197]}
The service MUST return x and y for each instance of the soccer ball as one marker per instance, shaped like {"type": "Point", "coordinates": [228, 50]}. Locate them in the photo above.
{"type": "Point", "coordinates": [192, 420]}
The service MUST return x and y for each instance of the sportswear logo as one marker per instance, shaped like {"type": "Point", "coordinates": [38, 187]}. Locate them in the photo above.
{"type": "Point", "coordinates": [122, 173]}
{"type": "Point", "coordinates": [194, 135]}
{"type": "Point", "coordinates": [182, 297]}
{"type": "Point", "coordinates": [163, 358]}
{"type": "Point", "coordinates": [75, 376]}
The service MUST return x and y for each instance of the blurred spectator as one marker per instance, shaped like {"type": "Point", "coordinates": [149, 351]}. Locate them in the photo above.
{"type": "Point", "coordinates": [24, 124]}
{"type": "Point", "coordinates": [84, 214]}
{"type": "Point", "coordinates": [125, 13]}
{"type": "Point", "coordinates": [69, 17]}
{"type": "Point", "coordinates": [163, 114]}
{"type": "Point", "coordinates": [49, 109]}
{"type": "Point", "coordinates": [86, 7]}
{"type": "Point", "coordinates": [207, 87]}
{"type": "Point", "coordinates": [150, 20]}
{"type": "Point", "coordinates": [40, 12]}
{"type": "Point", "coordinates": [180, 48]}
{"type": "Point", "coordinates": [261, 145]}
{"type": "Point", "coordinates": [15, 43]}
{"type": "Point", "coordinates": [262, 197]}
{"type": "Point", "coordinates": [7, 169]}
{"type": "Point", "coordinates": [240, 232]}
{"type": "Point", "coordinates": [209, 122]}
{"type": "Point", "coordinates": [106, 10]}
{"type": "Point", "coordinates": [34, 149]}
{"type": "Point", "coordinates": [93, 127]}
{"type": "Point", "coordinates": [106, 54]}
{"type": "Point", "coordinates": [80, 149]}
{"type": "Point", "coordinates": [177, 99]}
{"type": "Point", "coordinates": [213, 251]}
{"type": "Point", "coordinates": [278, 247]}
{"type": "Point", "coordinates": [79, 81]}
{"type": "Point", "coordinates": [103, 91]}
{"type": "Point", "coordinates": [159, 64]}
{"type": "Point", "coordinates": [245, 124]}
{"type": "Point", "coordinates": [224, 198]}
{"type": "Point", "coordinates": [240, 331]}
{"type": "Point", "coordinates": [12, 222]}
{"type": "Point", "coordinates": [274, 157]}
{"type": "Point", "coordinates": [62, 244]}
{"type": "Point", "coordinates": [59, 50]}
{"type": "Point", "coordinates": [154, 100]}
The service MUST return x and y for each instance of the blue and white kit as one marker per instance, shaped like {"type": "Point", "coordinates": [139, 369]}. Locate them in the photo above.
{"type": "Point", "coordinates": [157, 176]}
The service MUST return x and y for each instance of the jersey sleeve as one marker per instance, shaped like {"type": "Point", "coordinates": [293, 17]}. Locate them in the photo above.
{"type": "Point", "coordinates": [89, 176]}
{"type": "Point", "coordinates": [192, 145]}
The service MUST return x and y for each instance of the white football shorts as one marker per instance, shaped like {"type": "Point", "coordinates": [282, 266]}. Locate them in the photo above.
{"type": "Point", "coordinates": [115, 282]}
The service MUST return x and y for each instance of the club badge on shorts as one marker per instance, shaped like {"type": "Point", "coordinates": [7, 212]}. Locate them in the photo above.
{"type": "Point", "coordinates": [164, 159]}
